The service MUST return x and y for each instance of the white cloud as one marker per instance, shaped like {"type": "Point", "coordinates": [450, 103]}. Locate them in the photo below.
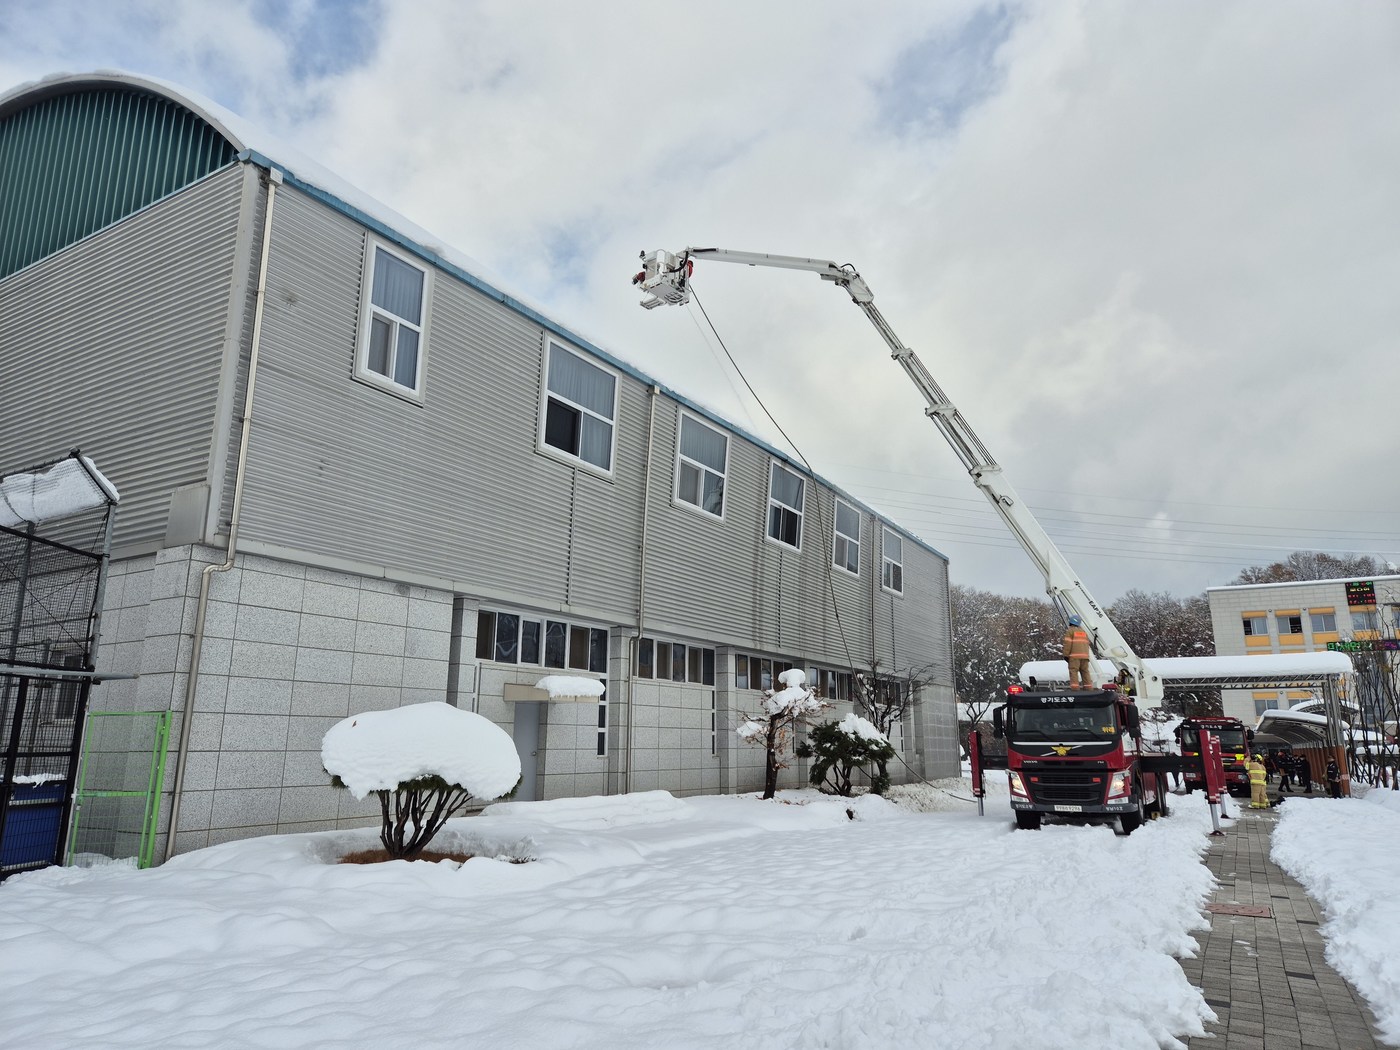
{"type": "Point", "coordinates": [1146, 249]}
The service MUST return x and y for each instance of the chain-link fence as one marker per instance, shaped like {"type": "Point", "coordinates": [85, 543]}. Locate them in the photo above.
{"type": "Point", "coordinates": [40, 723]}
{"type": "Point", "coordinates": [55, 539]}
{"type": "Point", "coordinates": [118, 797]}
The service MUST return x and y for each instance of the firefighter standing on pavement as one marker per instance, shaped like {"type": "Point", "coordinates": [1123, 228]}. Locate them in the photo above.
{"type": "Point", "coordinates": [1078, 654]}
{"type": "Point", "coordinates": [1334, 779]}
{"type": "Point", "coordinates": [1258, 782]}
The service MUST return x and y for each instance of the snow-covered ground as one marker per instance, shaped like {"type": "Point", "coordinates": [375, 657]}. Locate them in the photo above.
{"type": "Point", "coordinates": [647, 921]}
{"type": "Point", "coordinates": [642, 921]}
{"type": "Point", "coordinates": [1346, 854]}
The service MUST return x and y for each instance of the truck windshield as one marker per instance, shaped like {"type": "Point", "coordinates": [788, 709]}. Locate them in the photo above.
{"type": "Point", "coordinates": [1231, 740]}
{"type": "Point", "coordinates": [1067, 722]}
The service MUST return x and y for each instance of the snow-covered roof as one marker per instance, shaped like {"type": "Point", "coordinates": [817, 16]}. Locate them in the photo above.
{"type": "Point", "coordinates": [1293, 715]}
{"type": "Point", "coordinates": [1195, 668]}
{"type": "Point", "coordinates": [71, 486]}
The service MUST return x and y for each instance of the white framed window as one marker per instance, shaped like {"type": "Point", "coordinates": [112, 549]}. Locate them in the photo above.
{"type": "Point", "coordinates": [1324, 622]}
{"type": "Point", "coordinates": [892, 562]}
{"type": "Point", "coordinates": [579, 409]}
{"type": "Point", "coordinates": [513, 638]}
{"type": "Point", "coordinates": [675, 661]}
{"type": "Point", "coordinates": [393, 317]}
{"type": "Point", "coordinates": [845, 552]}
{"type": "Point", "coordinates": [1289, 623]}
{"type": "Point", "coordinates": [1364, 620]}
{"type": "Point", "coordinates": [786, 491]}
{"type": "Point", "coordinates": [1256, 627]}
{"type": "Point", "coordinates": [702, 464]}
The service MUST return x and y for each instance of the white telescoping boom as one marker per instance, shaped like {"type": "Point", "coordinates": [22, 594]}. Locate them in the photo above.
{"type": "Point", "coordinates": [665, 276]}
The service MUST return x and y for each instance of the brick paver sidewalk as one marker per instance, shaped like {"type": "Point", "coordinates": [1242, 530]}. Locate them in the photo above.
{"type": "Point", "coordinates": [1264, 975]}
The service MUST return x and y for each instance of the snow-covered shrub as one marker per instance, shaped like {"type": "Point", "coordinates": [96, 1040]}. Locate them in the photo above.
{"type": "Point", "coordinates": [771, 729]}
{"type": "Point", "coordinates": [841, 748]}
{"type": "Point", "coordinates": [424, 762]}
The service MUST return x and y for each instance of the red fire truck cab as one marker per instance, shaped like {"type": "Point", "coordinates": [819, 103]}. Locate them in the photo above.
{"type": "Point", "coordinates": [1235, 740]}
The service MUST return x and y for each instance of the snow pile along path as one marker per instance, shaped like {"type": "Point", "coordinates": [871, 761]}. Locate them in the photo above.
{"type": "Point", "coordinates": [646, 922]}
{"type": "Point", "coordinates": [1346, 854]}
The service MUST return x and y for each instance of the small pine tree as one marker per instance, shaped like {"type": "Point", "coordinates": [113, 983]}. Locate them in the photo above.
{"type": "Point", "coordinates": [841, 748]}
{"type": "Point", "coordinates": [773, 728]}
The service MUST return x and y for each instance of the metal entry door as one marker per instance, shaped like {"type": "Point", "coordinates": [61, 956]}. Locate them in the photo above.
{"type": "Point", "coordinates": [526, 734]}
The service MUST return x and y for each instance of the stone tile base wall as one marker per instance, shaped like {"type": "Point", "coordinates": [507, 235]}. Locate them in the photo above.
{"type": "Point", "coordinates": [288, 651]}
{"type": "Point", "coordinates": [673, 748]}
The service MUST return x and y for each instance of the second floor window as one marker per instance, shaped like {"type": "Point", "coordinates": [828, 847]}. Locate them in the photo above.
{"type": "Point", "coordinates": [702, 460]}
{"type": "Point", "coordinates": [391, 327]}
{"type": "Point", "coordinates": [580, 407]}
{"type": "Point", "coordinates": [892, 570]}
{"type": "Point", "coordinates": [1256, 626]}
{"type": "Point", "coordinates": [1289, 623]}
{"type": "Point", "coordinates": [846, 549]}
{"type": "Point", "coordinates": [785, 495]}
{"type": "Point", "coordinates": [1324, 622]}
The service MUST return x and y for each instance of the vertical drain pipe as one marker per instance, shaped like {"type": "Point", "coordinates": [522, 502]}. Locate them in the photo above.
{"type": "Point", "coordinates": [274, 179]}
{"type": "Point", "coordinates": [641, 584]}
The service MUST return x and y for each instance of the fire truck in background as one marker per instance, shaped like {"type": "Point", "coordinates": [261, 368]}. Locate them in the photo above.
{"type": "Point", "coordinates": [1235, 741]}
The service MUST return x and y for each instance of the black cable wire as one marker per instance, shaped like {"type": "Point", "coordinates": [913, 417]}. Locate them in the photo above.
{"type": "Point", "coordinates": [830, 586]}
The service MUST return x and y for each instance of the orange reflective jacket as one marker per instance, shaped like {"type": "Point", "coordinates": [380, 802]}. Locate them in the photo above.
{"type": "Point", "coordinates": [1076, 645]}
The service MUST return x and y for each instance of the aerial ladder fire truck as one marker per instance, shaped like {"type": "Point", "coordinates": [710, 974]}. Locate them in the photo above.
{"type": "Point", "coordinates": [1071, 754]}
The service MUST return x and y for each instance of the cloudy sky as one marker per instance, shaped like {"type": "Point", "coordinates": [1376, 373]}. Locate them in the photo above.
{"type": "Point", "coordinates": [1149, 250]}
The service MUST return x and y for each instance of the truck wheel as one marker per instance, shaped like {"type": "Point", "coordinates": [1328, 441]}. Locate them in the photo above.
{"type": "Point", "coordinates": [1027, 821]}
{"type": "Point", "coordinates": [1132, 821]}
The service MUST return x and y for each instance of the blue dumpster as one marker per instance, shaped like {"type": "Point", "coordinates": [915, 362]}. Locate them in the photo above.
{"type": "Point", "coordinates": [32, 824]}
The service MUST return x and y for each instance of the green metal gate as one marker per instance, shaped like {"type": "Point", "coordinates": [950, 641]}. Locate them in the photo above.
{"type": "Point", "coordinates": [117, 802]}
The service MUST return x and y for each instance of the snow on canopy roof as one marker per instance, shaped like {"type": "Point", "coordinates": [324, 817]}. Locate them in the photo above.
{"type": "Point", "coordinates": [1288, 715]}
{"type": "Point", "coordinates": [267, 150]}
{"type": "Point", "coordinates": [1195, 668]}
{"type": "Point", "coordinates": [557, 685]}
{"type": "Point", "coordinates": [71, 486]}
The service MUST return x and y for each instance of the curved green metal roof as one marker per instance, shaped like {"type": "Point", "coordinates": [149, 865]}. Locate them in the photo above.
{"type": "Point", "coordinates": [78, 156]}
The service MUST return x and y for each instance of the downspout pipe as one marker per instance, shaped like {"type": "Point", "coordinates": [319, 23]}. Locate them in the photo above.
{"type": "Point", "coordinates": [641, 584]}
{"type": "Point", "coordinates": [274, 179]}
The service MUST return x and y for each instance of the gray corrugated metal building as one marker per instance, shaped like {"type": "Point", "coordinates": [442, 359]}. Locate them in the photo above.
{"type": "Point", "coordinates": [435, 491]}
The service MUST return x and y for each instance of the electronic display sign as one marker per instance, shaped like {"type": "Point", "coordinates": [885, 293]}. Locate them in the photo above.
{"type": "Point", "coordinates": [1361, 592]}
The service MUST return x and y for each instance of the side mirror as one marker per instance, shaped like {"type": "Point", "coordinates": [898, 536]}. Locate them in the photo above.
{"type": "Point", "coordinates": [1133, 718]}
{"type": "Point", "coordinates": [998, 723]}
